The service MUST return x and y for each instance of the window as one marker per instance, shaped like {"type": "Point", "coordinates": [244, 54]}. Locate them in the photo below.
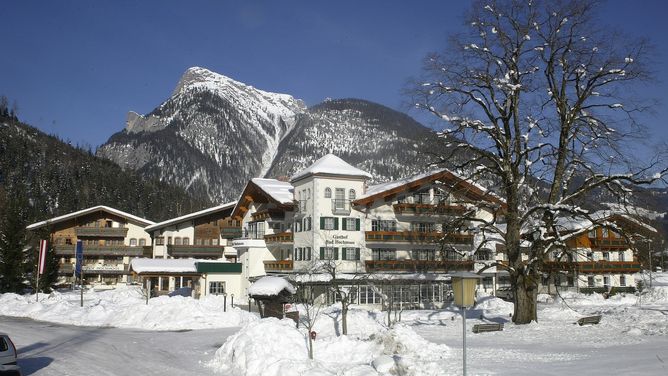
{"type": "Point", "coordinates": [216, 288]}
{"type": "Point", "coordinates": [350, 224]}
{"type": "Point", "coordinates": [329, 223]}
{"type": "Point", "coordinates": [160, 240]}
{"type": "Point", "coordinates": [622, 281]}
{"type": "Point", "coordinates": [383, 225]}
{"type": "Point", "coordinates": [177, 240]}
{"type": "Point", "coordinates": [606, 281]}
{"type": "Point", "coordinates": [133, 242]}
{"type": "Point", "coordinates": [422, 226]}
{"type": "Point", "coordinates": [592, 233]}
{"type": "Point", "coordinates": [256, 230]}
{"type": "Point", "coordinates": [303, 254]}
{"type": "Point", "coordinates": [384, 254]}
{"type": "Point", "coordinates": [298, 226]}
{"type": "Point", "coordinates": [604, 232]}
{"type": "Point", "coordinates": [328, 192]}
{"type": "Point", "coordinates": [340, 199]}
{"type": "Point", "coordinates": [351, 254]}
{"type": "Point", "coordinates": [606, 256]}
{"type": "Point", "coordinates": [590, 255]}
{"type": "Point", "coordinates": [214, 241]}
{"type": "Point", "coordinates": [329, 253]}
{"type": "Point", "coordinates": [308, 194]}
{"type": "Point", "coordinates": [186, 241]}
{"type": "Point", "coordinates": [308, 225]}
{"type": "Point", "coordinates": [169, 240]}
{"type": "Point", "coordinates": [142, 242]}
{"type": "Point", "coordinates": [485, 255]}
{"type": "Point", "coordinates": [570, 281]}
{"type": "Point", "coordinates": [424, 254]}
{"type": "Point", "coordinates": [351, 194]}
{"type": "Point", "coordinates": [621, 256]}
{"type": "Point", "coordinates": [590, 281]}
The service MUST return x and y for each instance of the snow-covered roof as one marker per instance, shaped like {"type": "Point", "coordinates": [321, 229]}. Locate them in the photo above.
{"type": "Point", "coordinates": [378, 188]}
{"type": "Point", "coordinates": [201, 213]}
{"type": "Point", "coordinates": [281, 191]}
{"type": "Point", "coordinates": [149, 265]}
{"type": "Point", "coordinates": [270, 286]}
{"type": "Point", "coordinates": [580, 223]}
{"type": "Point", "coordinates": [93, 209]}
{"type": "Point", "coordinates": [330, 164]}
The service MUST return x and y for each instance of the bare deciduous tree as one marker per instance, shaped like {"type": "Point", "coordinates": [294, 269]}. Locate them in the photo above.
{"type": "Point", "coordinates": [544, 104]}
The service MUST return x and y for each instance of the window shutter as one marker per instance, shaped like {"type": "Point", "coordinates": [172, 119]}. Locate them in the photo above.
{"type": "Point", "coordinates": [336, 253]}
{"type": "Point", "coordinates": [344, 224]}
{"type": "Point", "coordinates": [357, 225]}
{"type": "Point", "coordinates": [322, 253]}
{"type": "Point", "coordinates": [322, 223]}
{"type": "Point", "coordinates": [357, 251]}
{"type": "Point", "coordinates": [308, 253]}
{"type": "Point", "coordinates": [336, 223]}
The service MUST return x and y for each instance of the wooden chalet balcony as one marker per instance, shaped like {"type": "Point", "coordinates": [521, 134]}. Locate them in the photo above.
{"type": "Point", "coordinates": [113, 232]}
{"type": "Point", "coordinates": [593, 267]}
{"type": "Point", "coordinates": [230, 232]}
{"type": "Point", "coordinates": [263, 215]}
{"type": "Point", "coordinates": [417, 237]}
{"type": "Point", "coordinates": [418, 265]}
{"type": "Point", "coordinates": [283, 238]}
{"type": "Point", "coordinates": [615, 243]}
{"type": "Point", "coordinates": [428, 209]}
{"type": "Point", "coordinates": [101, 250]}
{"type": "Point", "coordinates": [278, 266]}
{"type": "Point", "coordinates": [195, 250]}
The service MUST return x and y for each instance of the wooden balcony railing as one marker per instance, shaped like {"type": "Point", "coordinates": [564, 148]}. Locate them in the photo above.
{"type": "Point", "coordinates": [283, 237]}
{"type": "Point", "coordinates": [100, 250]}
{"type": "Point", "coordinates": [195, 250]}
{"type": "Point", "coordinates": [115, 232]}
{"type": "Point", "coordinates": [231, 232]}
{"type": "Point", "coordinates": [418, 265]}
{"type": "Point", "coordinates": [278, 266]}
{"type": "Point", "coordinates": [593, 267]}
{"type": "Point", "coordinates": [418, 237]}
{"type": "Point", "coordinates": [428, 209]}
{"type": "Point", "coordinates": [608, 243]}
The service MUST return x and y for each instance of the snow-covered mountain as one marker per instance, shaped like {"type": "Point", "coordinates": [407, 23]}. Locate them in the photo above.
{"type": "Point", "coordinates": [211, 136]}
{"type": "Point", "coordinates": [214, 134]}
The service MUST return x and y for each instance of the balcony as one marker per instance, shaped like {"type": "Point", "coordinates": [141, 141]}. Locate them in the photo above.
{"type": "Point", "coordinates": [281, 238]}
{"type": "Point", "coordinates": [195, 250]}
{"type": "Point", "coordinates": [264, 215]}
{"type": "Point", "coordinates": [96, 269]}
{"type": "Point", "coordinates": [417, 237]}
{"type": "Point", "coordinates": [608, 243]}
{"type": "Point", "coordinates": [101, 250]}
{"type": "Point", "coordinates": [428, 209]}
{"type": "Point", "coordinates": [230, 232]}
{"type": "Point", "coordinates": [278, 266]}
{"type": "Point", "coordinates": [107, 232]}
{"type": "Point", "coordinates": [593, 267]}
{"type": "Point", "coordinates": [340, 206]}
{"type": "Point", "coordinates": [418, 266]}
{"type": "Point", "coordinates": [300, 207]}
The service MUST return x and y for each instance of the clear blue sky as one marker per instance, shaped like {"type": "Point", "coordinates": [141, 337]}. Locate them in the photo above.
{"type": "Point", "coordinates": [76, 68]}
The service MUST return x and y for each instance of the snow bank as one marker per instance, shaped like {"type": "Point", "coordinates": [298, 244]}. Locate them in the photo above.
{"type": "Point", "coordinates": [268, 286]}
{"type": "Point", "coordinates": [125, 307]}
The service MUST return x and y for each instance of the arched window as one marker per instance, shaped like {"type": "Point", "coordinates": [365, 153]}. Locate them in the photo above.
{"type": "Point", "coordinates": [142, 242]}
{"type": "Point", "coordinates": [351, 194]}
{"type": "Point", "coordinates": [133, 242]}
{"type": "Point", "coordinates": [328, 192]}
{"type": "Point", "coordinates": [186, 241]}
{"type": "Point", "coordinates": [177, 241]}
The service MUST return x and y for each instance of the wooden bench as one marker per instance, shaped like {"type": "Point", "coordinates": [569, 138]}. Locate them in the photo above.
{"type": "Point", "coordinates": [589, 320]}
{"type": "Point", "coordinates": [480, 328]}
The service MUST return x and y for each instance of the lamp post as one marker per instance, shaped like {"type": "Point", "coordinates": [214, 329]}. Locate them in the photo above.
{"type": "Point", "coordinates": [463, 287]}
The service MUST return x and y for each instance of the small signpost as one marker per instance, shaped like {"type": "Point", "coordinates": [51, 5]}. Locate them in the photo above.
{"type": "Point", "coordinates": [78, 269]}
{"type": "Point", "coordinates": [41, 262]}
{"type": "Point", "coordinates": [463, 287]}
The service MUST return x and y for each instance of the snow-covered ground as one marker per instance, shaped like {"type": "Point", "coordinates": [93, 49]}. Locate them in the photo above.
{"type": "Point", "coordinates": [632, 338]}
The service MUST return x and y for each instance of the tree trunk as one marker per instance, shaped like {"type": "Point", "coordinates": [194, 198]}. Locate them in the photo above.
{"type": "Point", "coordinates": [525, 298]}
{"type": "Point", "coordinates": [344, 318]}
{"type": "Point", "coordinates": [310, 345]}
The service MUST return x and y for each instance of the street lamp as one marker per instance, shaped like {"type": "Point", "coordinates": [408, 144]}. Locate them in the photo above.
{"type": "Point", "coordinates": [463, 287]}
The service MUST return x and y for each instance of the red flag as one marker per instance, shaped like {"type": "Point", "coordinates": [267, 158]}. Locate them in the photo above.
{"type": "Point", "coordinates": [42, 256]}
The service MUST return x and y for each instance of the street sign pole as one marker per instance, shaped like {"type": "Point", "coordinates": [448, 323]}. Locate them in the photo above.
{"type": "Point", "coordinates": [78, 270]}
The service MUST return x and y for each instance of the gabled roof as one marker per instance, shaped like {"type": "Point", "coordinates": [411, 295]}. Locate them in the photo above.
{"type": "Point", "coordinates": [458, 183]}
{"type": "Point", "coordinates": [130, 217]}
{"type": "Point", "coordinates": [264, 191]}
{"type": "Point", "coordinates": [578, 225]}
{"type": "Point", "coordinates": [330, 164]}
{"type": "Point", "coordinates": [224, 207]}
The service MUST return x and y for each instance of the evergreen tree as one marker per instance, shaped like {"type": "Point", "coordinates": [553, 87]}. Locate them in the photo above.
{"type": "Point", "coordinates": [12, 244]}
